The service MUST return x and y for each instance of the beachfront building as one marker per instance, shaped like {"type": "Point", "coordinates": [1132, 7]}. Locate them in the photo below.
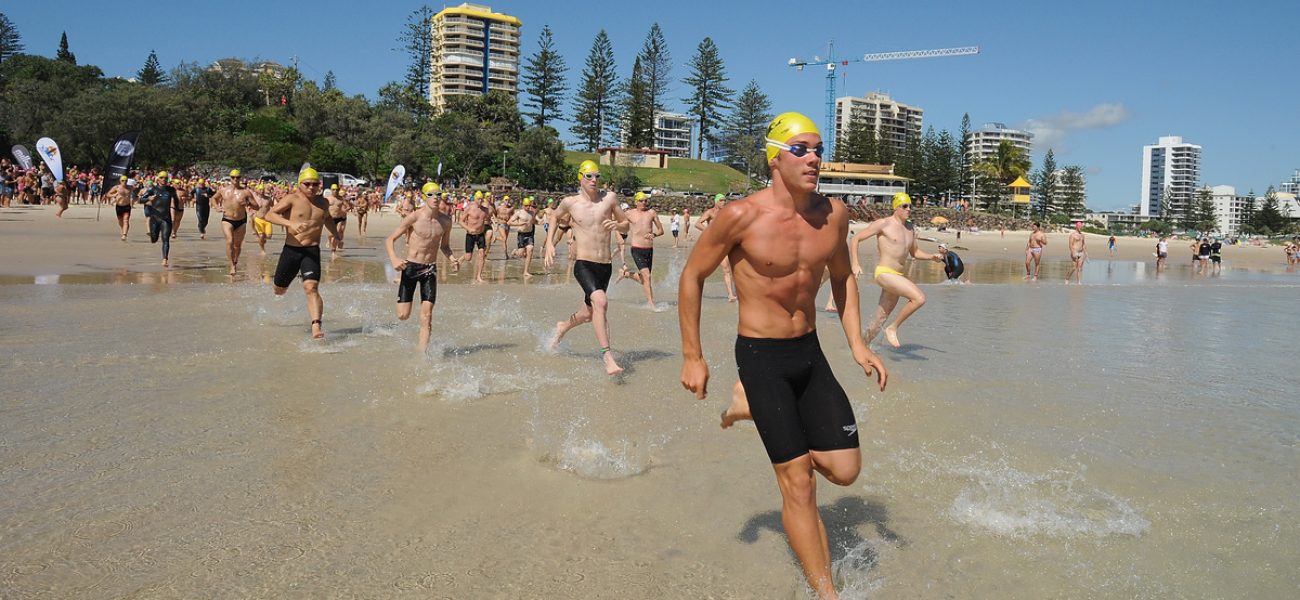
{"type": "Point", "coordinates": [1291, 186]}
{"type": "Point", "coordinates": [1228, 208]}
{"type": "Point", "coordinates": [983, 142]}
{"type": "Point", "coordinates": [673, 133]}
{"type": "Point", "coordinates": [860, 183]}
{"type": "Point", "coordinates": [1119, 221]}
{"type": "Point", "coordinates": [1171, 173]}
{"type": "Point", "coordinates": [475, 51]}
{"type": "Point", "coordinates": [894, 122]}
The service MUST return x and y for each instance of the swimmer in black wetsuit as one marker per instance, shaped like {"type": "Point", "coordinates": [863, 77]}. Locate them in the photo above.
{"type": "Point", "coordinates": [202, 197]}
{"type": "Point", "coordinates": [157, 206]}
{"type": "Point", "coordinates": [953, 267]}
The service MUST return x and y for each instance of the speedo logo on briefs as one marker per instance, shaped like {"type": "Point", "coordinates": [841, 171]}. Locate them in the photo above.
{"type": "Point", "coordinates": [852, 429]}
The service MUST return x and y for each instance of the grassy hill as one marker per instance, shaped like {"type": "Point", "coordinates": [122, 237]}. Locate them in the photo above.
{"type": "Point", "coordinates": [682, 175]}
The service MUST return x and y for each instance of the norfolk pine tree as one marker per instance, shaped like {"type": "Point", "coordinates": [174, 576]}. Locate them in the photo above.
{"type": "Point", "coordinates": [65, 55]}
{"type": "Point", "coordinates": [594, 105]}
{"type": "Point", "coordinates": [11, 42]}
{"type": "Point", "coordinates": [709, 93]}
{"type": "Point", "coordinates": [151, 73]}
{"type": "Point", "coordinates": [544, 81]}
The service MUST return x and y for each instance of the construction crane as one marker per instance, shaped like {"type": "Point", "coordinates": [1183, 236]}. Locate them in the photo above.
{"type": "Point", "coordinates": [828, 136]}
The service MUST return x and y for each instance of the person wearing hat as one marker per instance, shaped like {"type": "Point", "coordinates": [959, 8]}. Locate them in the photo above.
{"type": "Point", "coordinates": [234, 201]}
{"type": "Point", "coordinates": [157, 207]}
{"type": "Point", "coordinates": [896, 240]}
{"type": "Point", "coordinates": [339, 208]}
{"type": "Point", "coordinates": [203, 205]}
{"type": "Point", "coordinates": [643, 228]}
{"type": "Point", "coordinates": [525, 222]}
{"type": "Point", "coordinates": [501, 215]}
{"type": "Point", "coordinates": [953, 267]}
{"type": "Point", "coordinates": [262, 227]}
{"type": "Point", "coordinates": [719, 201]}
{"type": "Point", "coordinates": [303, 213]}
{"type": "Point", "coordinates": [594, 215]}
{"type": "Point", "coordinates": [474, 220]}
{"type": "Point", "coordinates": [428, 231]}
{"type": "Point", "coordinates": [780, 240]}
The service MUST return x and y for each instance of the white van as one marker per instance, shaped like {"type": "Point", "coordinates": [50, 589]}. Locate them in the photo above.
{"type": "Point", "coordinates": [346, 179]}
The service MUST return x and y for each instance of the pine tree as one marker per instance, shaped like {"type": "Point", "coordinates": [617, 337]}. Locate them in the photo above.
{"type": "Point", "coordinates": [594, 104]}
{"type": "Point", "coordinates": [657, 66]}
{"type": "Point", "coordinates": [416, 40]}
{"type": "Point", "coordinates": [964, 160]}
{"type": "Point", "coordinates": [1206, 219]}
{"type": "Point", "coordinates": [11, 42]}
{"type": "Point", "coordinates": [1268, 217]}
{"type": "Point", "coordinates": [151, 73]}
{"type": "Point", "coordinates": [944, 165]}
{"type": "Point", "coordinates": [64, 54]}
{"type": "Point", "coordinates": [1044, 185]}
{"type": "Point", "coordinates": [638, 111]}
{"type": "Point", "coordinates": [710, 94]}
{"type": "Point", "coordinates": [544, 81]}
{"type": "Point", "coordinates": [1073, 200]}
{"type": "Point", "coordinates": [745, 129]}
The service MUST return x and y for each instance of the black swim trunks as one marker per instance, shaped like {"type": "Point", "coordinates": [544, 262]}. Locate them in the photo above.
{"type": "Point", "coordinates": [475, 240]}
{"type": "Point", "coordinates": [236, 223]}
{"type": "Point", "coordinates": [525, 238]}
{"type": "Point", "coordinates": [592, 276]}
{"type": "Point", "coordinates": [643, 257]}
{"type": "Point", "coordinates": [295, 260]}
{"type": "Point", "coordinates": [122, 209]}
{"type": "Point", "coordinates": [341, 220]}
{"type": "Point", "coordinates": [796, 402]}
{"type": "Point", "coordinates": [418, 275]}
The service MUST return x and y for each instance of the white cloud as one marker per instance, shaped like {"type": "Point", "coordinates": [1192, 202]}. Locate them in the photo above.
{"type": "Point", "coordinates": [1050, 132]}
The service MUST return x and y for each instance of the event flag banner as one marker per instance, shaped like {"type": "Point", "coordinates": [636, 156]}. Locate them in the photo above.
{"type": "Point", "coordinates": [119, 160]}
{"type": "Point", "coordinates": [49, 152]}
{"type": "Point", "coordinates": [394, 179]}
{"type": "Point", "coordinates": [22, 155]}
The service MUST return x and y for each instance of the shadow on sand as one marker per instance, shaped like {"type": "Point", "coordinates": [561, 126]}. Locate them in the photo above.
{"type": "Point", "coordinates": [842, 520]}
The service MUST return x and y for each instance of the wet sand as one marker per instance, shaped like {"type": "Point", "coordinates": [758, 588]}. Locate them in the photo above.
{"type": "Point", "coordinates": [181, 437]}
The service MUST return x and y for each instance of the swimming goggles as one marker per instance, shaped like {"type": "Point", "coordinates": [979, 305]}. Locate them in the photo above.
{"type": "Point", "coordinates": [799, 150]}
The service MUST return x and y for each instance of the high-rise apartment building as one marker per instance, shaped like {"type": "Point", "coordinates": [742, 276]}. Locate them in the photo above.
{"type": "Point", "coordinates": [1228, 208]}
{"type": "Point", "coordinates": [893, 122]}
{"type": "Point", "coordinates": [983, 143]}
{"type": "Point", "coordinates": [1292, 186]}
{"type": "Point", "coordinates": [475, 50]}
{"type": "Point", "coordinates": [673, 133]}
{"type": "Point", "coordinates": [1171, 173]}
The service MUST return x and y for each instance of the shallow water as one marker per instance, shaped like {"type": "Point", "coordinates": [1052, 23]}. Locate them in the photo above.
{"type": "Point", "coordinates": [1134, 437]}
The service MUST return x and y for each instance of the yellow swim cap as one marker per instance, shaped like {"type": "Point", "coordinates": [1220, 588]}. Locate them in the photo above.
{"type": "Point", "coordinates": [506, 199]}
{"type": "Point", "coordinates": [260, 187]}
{"type": "Point", "coordinates": [639, 196]}
{"type": "Point", "coordinates": [528, 201]}
{"type": "Point", "coordinates": [162, 174]}
{"type": "Point", "coordinates": [784, 127]}
{"type": "Point", "coordinates": [429, 188]}
{"type": "Point", "coordinates": [334, 186]}
{"type": "Point", "coordinates": [587, 166]}
{"type": "Point", "coordinates": [234, 172]}
{"type": "Point", "coordinates": [122, 178]}
{"type": "Point", "coordinates": [478, 195]}
{"type": "Point", "coordinates": [901, 198]}
{"type": "Point", "coordinates": [308, 174]}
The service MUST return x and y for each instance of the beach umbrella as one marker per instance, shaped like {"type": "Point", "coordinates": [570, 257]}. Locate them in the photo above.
{"type": "Point", "coordinates": [938, 220]}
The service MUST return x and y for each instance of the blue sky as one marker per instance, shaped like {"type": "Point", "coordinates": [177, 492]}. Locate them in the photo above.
{"type": "Point", "coordinates": [1096, 80]}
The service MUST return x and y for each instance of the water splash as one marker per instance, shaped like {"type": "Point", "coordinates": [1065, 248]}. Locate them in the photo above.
{"type": "Point", "coordinates": [1006, 501]}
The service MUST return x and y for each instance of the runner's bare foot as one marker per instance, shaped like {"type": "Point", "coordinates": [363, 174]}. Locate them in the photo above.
{"type": "Point", "coordinates": [891, 335]}
{"type": "Point", "coordinates": [739, 409]}
{"type": "Point", "coordinates": [164, 262]}
{"type": "Point", "coordinates": [560, 328]}
{"type": "Point", "coordinates": [203, 236]}
{"type": "Point", "coordinates": [611, 367]}
{"type": "Point", "coordinates": [731, 299]}
{"type": "Point", "coordinates": [317, 332]}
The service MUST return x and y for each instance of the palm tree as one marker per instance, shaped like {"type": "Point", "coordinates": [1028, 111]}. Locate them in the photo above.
{"type": "Point", "coordinates": [1008, 163]}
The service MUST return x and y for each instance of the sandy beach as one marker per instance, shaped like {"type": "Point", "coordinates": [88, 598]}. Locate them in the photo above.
{"type": "Point", "coordinates": [173, 433]}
